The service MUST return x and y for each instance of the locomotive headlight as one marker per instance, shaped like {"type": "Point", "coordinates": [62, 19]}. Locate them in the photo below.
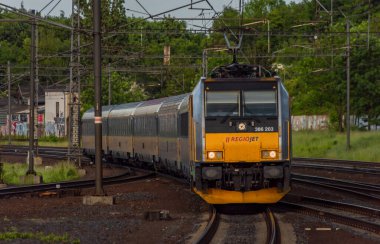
{"type": "Point", "coordinates": [214, 155]}
{"type": "Point", "coordinates": [269, 154]}
{"type": "Point", "coordinates": [272, 154]}
{"type": "Point", "coordinates": [211, 155]}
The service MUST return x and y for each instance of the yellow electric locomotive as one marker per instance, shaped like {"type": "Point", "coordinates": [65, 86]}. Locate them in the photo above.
{"type": "Point", "coordinates": [230, 137]}
{"type": "Point", "coordinates": [240, 127]}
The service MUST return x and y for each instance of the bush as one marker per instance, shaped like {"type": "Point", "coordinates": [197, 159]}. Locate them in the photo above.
{"type": "Point", "coordinates": [62, 171]}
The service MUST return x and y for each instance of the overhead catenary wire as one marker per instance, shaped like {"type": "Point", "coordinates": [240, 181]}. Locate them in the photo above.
{"type": "Point", "coordinates": [17, 11]}
{"type": "Point", "coordinates": [284, 34]}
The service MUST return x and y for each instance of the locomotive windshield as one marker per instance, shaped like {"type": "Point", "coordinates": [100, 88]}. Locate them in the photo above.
{"type": "Point", "coordinates": [253, 103]}
{"type": "Point", "coordinates": [259, 103]}
{"type": "Point", "coordinates": [222, 103]}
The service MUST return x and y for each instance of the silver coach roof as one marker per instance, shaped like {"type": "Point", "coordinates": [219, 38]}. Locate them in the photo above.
{"type": "Point", "coordinates": [89, 114]}
{"type": "Point", "coordinates": [123, 110]}
{"type": "Point", "coordinates": [171, 104]}
{"type": "Point", "coordinates": [149, 107]}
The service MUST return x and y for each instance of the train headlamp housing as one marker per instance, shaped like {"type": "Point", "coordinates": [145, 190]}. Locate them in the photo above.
{"type": "Point", "coordinates": [273, 172]}
{"type": "Point", "coordinates": [269, 154]}
{"type": "Point", "coordinates": [214, 155]}
{"type": "Point", "coordinates": [212, 173]}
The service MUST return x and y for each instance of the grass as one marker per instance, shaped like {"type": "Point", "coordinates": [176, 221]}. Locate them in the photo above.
{"type": "Point", "coordinates": [37, 236]}
{"type": "Point", "coordinates": [327, 144]}
{"type": "Point", "coordinates": [60, 172]}
{"type": "Point", "coordinates": [45, 141]}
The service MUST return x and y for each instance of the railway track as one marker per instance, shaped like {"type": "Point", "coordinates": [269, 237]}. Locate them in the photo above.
{"type": "Point", "coordinates": [59, 153]}
{"type": "Point", "coordinates": [338, 205]}
{"type": "Point", "coordinates": [357, 188]}
{"type": "Point", "coordinates": [239, 228]}
{"type": "Point", "coordinates": [372, 168]}
{"type": "Point", "coordinates": [336, 162]}
{"type": "Point", "coordinates": [326, 214]}
{"type": "Point", "coordinates": [346, 169]}
{"type": "Point", "coordinates": [60, 186]}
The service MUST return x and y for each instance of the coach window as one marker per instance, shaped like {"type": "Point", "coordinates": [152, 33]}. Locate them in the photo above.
{"type": "Point", "coordinates": [259, 103]}
{"type": "Point", "coordinates": [222, 103]}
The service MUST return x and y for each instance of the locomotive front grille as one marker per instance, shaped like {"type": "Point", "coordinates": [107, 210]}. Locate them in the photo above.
{"type": "Point", "coordinates": [239, 177]}
{"type": "Point", "coordinates": [242, 179]}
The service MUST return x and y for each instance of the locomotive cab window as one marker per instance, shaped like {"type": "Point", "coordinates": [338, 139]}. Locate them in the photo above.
{"type": "Point", "coordinates": [222, 103]}
{"type": "Point", "coordinates": [259, 103]}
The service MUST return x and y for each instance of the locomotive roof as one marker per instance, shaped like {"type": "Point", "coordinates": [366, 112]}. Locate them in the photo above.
{"type": "Point", "coordinates": [243, 71]}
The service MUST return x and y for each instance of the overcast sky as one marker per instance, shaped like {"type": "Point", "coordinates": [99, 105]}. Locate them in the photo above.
{"type": "Point", "coordinates": [152, 6]}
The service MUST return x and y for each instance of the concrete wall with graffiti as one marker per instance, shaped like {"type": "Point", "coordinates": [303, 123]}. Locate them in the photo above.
{"type": "Point", "coordinates": [56, 115]}
{"type": "Point", "coordinates": [20, 125]}
{"type": "Point", "coordinates": [310, 122]}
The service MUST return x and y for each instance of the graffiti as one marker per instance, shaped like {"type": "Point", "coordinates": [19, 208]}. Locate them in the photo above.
{"type": "Point", "coordinates": [56, 127]}
{"type": "Point", "coordinates": [310, 122]}
{"type": "Point", "coordinates": [18, 128]}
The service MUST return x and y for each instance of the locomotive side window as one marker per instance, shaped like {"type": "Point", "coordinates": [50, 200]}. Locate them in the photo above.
{"type": "Point", "coordinates": [259, 103]}
{"type": "Point", "coordinates": [222, 103]}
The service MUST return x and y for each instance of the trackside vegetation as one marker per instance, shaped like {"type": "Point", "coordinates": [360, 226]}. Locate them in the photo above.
{"type": "Point", "coordinates": [60, 172]}
{"type": "Point", "coordinates": [44, 141]}
{"type": "Point", "coordinates": [14, 235]}
{"type": "Point", "coordinates": [300, 41]}
{"type": "Point", "coordinates": [330, 144]}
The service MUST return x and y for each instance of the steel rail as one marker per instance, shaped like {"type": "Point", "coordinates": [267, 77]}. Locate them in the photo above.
{"type": "Point", "coordinates": [123, 178]}
{"type": "Point", "coordinates": [337, 161]}
{"type": "Point", "coordinates": [211, 227]}
{"type": "Point", "coordinates": [273, 236]}
{"type": "Point", "coordinates": [354, 208]}
{"type": "Point", "coordinates": [351, 169]}
{"type": "Point", "coordinates": [357, 188]}
{"type": "Point", "coordinates": [344, 183]}
{"type": "Point", "coordinates": [326, 185]}
{"type": "Point", "coordinates": [346, 220]}
{"type": "Point", "coordinates": [45, 152]}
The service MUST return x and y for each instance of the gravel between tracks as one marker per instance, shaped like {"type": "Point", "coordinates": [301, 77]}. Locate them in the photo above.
{"type": "Point", "coordinates": [123, 222]}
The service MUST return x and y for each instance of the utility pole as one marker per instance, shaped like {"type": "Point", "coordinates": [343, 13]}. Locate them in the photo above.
{"type": "Point", "coordinates": [31, 98]}
{"type": "Point", "coordinates": [369, 20]}
{"type": "Point", "coordinates": [331, 35]}
{"type": "Point", "coordinates": [204, 63]}
{"type": "Point", "coordinates": [73, 127]}
{"type": "Point", "coordinates": [36, 80]}
{"type": "Point", "coordinates": [109, 84]}
{"type": "Point", "coordinates": [9, 103]}
{"type": "Point", "coordinates": [348, 146]}
{"type": "Point", "coordinates": [268, 22]}
{"type": "Point", "coordinates": [331, 13]}
{"type": "Point", "coordinates": [98, 96]}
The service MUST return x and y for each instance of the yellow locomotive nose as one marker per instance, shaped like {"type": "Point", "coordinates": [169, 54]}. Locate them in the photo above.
{"type": "Point", "coordinates": [242, 147]}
